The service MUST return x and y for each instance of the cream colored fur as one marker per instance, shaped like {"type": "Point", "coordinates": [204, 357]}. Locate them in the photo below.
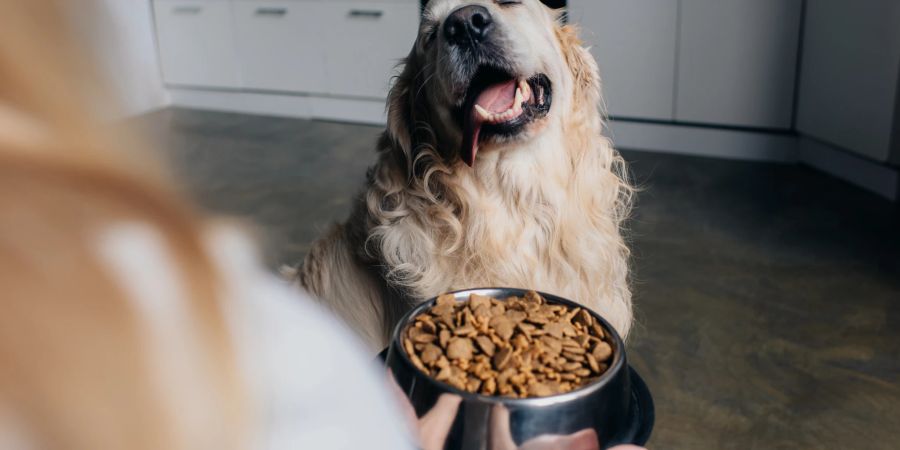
{"type": "Point", "coordinates": [542, 212]}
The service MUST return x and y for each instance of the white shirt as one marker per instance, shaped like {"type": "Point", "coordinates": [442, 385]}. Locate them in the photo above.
{"type": "Point", "coordinates": [314, 385]}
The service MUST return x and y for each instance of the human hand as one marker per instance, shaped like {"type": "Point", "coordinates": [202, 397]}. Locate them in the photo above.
{"type": "Point", "coordinates": [434, 426]}
{"type": "Point", "coordinates": [430, 430]}
{"type": "Point", "coordinates": [501, 436]}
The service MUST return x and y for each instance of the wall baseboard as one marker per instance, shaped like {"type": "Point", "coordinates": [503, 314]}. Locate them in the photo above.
{"type": "Point", "coordinates": [881, 179]}
{"type": "Point", "coordinates": [704, 141]}
{"type": "Point", "coordinates": [710, 142]}
{"type": "Point", "coordinates": [299, 106]}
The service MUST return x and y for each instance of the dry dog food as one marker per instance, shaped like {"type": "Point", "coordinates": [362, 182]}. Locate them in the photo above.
{"type": "Point", "coordinates": [521, 347]}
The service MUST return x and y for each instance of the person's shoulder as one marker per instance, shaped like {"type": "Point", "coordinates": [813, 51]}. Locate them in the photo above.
{"type": "Point", "coordinates": [269, 304]}
{"type": "Point", "coordinates": [316, 383]}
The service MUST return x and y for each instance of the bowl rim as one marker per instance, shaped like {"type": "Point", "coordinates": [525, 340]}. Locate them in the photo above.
{"type": "Point", "coordinates": [619, 358]}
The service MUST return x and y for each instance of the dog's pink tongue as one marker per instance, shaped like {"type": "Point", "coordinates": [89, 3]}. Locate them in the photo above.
{"type": "Point", "coordinates": [499, 97]}
{"type": "Point", "coordinates": [496, 99]}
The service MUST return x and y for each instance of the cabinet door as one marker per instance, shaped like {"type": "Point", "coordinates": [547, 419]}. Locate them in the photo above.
{"type": "Point", "coordinates": [737, 62]}
{"type": "Point", "coordinates": [280, 45]}
{"type": "Point", "coordinates": [364, 43]}
{"type": "Point", "coordinates": [196, 43]}
{"type": "Point", "coordinates": [634, 42]}
{"type": "Point", "coordinates": [849, 79]}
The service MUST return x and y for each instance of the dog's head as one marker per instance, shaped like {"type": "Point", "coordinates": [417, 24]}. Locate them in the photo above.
{"type": "Point", "coordinates": [484, 74]}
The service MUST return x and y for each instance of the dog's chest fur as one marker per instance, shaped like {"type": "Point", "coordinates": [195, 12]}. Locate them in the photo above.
{"type": "Point", "coordinates": [521, 220]}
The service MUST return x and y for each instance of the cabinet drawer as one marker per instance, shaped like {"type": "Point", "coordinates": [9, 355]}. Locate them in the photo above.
{"type": "Point", "coordinates": [738, 62]}
{"type": "Point", "coordinates": [196, 43]}
{"type": "Point", "coordinates": [363, 43]}
{"type": "Point", "coordinates": [634, 42]}
{"type": "Point", "coordinates": [280, 45]}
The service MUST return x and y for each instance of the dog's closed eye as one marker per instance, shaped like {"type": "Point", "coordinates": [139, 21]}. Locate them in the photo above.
{"type": "Point", "coordinates": [508, 2]}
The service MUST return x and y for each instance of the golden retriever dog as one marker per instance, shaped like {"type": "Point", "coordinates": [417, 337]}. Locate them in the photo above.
{"type": "Point", "coordinates": [493, 171]}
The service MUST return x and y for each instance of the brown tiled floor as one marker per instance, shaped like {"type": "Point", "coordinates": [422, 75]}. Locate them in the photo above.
{"type": "Point", "coordinates": [768, 296]}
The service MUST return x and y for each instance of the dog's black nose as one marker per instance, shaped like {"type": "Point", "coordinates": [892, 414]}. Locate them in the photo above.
{"type": "Point", "coordinates": [468, 25]}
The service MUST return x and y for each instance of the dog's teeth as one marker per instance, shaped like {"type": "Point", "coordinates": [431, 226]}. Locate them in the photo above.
{"type": "Point", "coordinates": [483, 113]}
{"type": "Point", "coordinates": [526, 90]}
{"type": "Point", "coordinates": [519, 98]}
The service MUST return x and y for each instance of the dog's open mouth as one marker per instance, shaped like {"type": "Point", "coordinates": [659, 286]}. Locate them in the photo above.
{"type": "Point", "coordinates": [500, 104]}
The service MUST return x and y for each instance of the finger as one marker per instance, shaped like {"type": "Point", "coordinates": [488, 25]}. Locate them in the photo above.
{"type": "Point", "coordinates": [435, 425]}
{"type": "Point", "coordinates": [501, 436]}
{"type": "Point", "coordinates": [583, 440]}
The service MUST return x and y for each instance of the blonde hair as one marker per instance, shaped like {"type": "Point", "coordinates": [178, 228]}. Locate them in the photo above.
{"type": "Point", "coordinates": [74, 371]}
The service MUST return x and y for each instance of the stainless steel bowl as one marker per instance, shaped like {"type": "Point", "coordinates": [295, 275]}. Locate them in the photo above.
{"type": "Point", "coordinates": [615, 409]}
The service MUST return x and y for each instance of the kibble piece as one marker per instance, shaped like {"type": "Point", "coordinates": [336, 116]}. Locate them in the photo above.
{"type": "Point", "coordinates": [446, 319]}
{"type": "Point", "coordinates": [573, 356]}
{"type": "Point", "coordinates": [598, 330]}
{"type": "Point", "coordinates": [460, 348]}
{"type": "Point", "coordinates": [489, 387]}
{"type": "Point", "coordinates": [477, 301]}
{"type": "Point", "coordinates": [602, 351]}
{"type": "Point", "coordinates": [431, 353]}
{"type": "Point", "coordinates": [486, 345]}
{"type": "Point", "coordinates": [444, 338]}
{"type": "Point", "coordinates": [539, 390]}
{"type": "Point", "coordinates": [502, 358]}
{"type": "Point", "coordinates": [582, 340]}
{"type": "Point", "coordinates": [444, 374]}
{"type": "Point", "coordinates": [424, 338]}
{"type": "Point", "coordinates": [427, 323]}
{"type": "Point", "coordinates": [418, 363]}
{"type": "Point", "coordinates": [554, 329]}
{"type": "Point", "coordinates": [483, 311]}
{"type": "Point", "coordinates": [473, 384]}
{"type": "Point", "coordinates": [446, 299]}
{"type": "Point", "coordinates": [516, 315]}
{"type": "Point", "coordinates": [504, 327]}
{"type": "Point", "coordinates": [552, 344]}
{"type": "Point", "coordinates": [584, 318]}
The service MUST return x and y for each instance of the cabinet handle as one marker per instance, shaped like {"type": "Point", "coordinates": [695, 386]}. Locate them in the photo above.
{"type": "Point", "coordinates": [274, 12]}
{"type": "Point", "coordinates": [187, 10]}
{"type": "Point", "coordinates": [366, 13]}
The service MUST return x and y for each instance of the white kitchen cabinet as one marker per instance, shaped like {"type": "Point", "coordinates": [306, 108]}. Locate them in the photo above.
{"type": "Point", "coordinates": [197, 43]}
{"type": "Point", "coordinates": [634, 42]}
{"type": "Point", "coordinates": [280, 44]}
{"type": "Point", "coordinates": [849, 79]}
{"type": "Point", "coordinates": [362, 44]}
{"type": "Point", "coordinates": [737, 62]}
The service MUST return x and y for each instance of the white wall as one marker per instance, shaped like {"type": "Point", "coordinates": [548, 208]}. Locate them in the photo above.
{"type": "Point", "coordinates": [127, 51]}
{"type": "Point", "coordinates": [849, 74]}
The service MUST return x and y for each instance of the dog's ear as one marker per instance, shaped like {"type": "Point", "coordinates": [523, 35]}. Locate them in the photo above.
{"type": "Point", "coordinates": [398, 138]}
{"type": "Point", "coordinates": [581, 63]}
